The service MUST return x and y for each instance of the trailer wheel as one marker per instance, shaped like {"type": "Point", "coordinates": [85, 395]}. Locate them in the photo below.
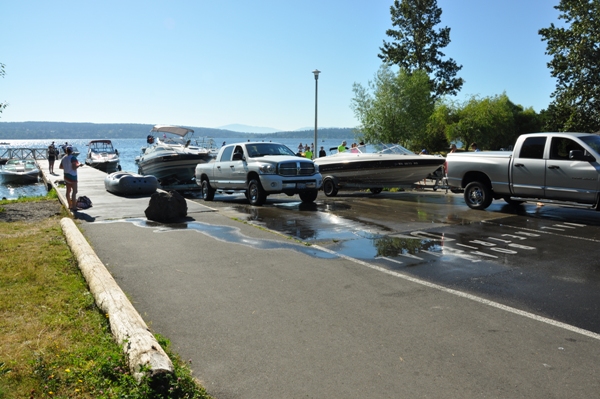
{"type": "Point", "coordinates": [478, 195]}
{"type": "Point", "coordinates": [329, 187]}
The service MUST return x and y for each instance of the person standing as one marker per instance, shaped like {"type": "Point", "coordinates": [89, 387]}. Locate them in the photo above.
{"type": "Point", "coordinates": [308, 152]}
{"type": "Point", "coordinates": [52, 153]}
{"type": "Point", "coordinates": [342, 147]}
{"type": "Point", "coordinates": [322, 152]}
{"type": "Point", "coordinates": [69, 164]}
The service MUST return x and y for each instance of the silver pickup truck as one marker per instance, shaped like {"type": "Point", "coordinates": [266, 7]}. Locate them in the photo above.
{"type": "Point", "coordinates": [259, 169]}
{"type": "Point", "coordinates": [561, 167]}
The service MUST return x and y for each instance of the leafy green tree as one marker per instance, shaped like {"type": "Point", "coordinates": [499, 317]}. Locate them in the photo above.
{"type": "Point", "coordinates": [490, 122]}
{"type": "Point", "coordinates": [2, 73]}
{"type": "Point", "coordinates": [417, 45]}
{"type": "Point", "coordinates": [575, 53]}
{"type": "Point", "coordinates": [395, 108]}
{"type": "Point", "coordinates": [439, 126]}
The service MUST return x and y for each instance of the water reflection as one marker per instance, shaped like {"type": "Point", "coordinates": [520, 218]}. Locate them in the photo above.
{"type": "Point", "coordinates": [393, 246]}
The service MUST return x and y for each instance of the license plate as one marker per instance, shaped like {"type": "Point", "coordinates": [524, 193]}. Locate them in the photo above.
{"type": "Point", "coordinates": [300, 186]}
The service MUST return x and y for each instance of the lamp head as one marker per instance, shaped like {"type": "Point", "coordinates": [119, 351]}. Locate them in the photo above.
{"type": "Point", "coordinates": [316, 72]}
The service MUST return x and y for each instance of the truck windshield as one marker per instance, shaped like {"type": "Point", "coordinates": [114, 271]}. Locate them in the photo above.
{"type": "Point", "coordinates": [256, 150]}
{"type": "Point", "coordinates": [593, 141]}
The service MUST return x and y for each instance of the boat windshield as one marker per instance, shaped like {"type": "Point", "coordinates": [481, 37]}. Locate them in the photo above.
{"type": "Point", "coordinates": [396, 149]}
{"type": "Point", "coordinates": [256, 150]}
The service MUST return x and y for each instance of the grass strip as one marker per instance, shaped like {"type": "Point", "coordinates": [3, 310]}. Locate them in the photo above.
{"type": "Point", "coordinates": [54, 341]}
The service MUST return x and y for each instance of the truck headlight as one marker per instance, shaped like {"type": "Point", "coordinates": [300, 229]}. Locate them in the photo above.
{"type": "Point", "coordinates": [267, 169]}
{"type": "Point", "coordinates": [316, 168]}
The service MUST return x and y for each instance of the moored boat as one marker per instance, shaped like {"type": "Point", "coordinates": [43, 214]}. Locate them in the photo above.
{"type": "Point", "coordinates": [126, 183]}
{"type": "Point", "coordinates": [21, 171]}
{"type": "Point", "coordinates": [170, 157]}
{"type": "Point", "coordinates": [103, 156]}
{"type": "Point", "coordinates": [390, 166]}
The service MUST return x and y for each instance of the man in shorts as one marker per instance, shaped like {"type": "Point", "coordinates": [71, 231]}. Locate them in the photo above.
{"type": "Point", "coordinates": [69, 165]}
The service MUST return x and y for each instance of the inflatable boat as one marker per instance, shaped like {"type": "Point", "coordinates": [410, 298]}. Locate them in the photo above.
{"type": "Point", "coordinates": [126, 183]}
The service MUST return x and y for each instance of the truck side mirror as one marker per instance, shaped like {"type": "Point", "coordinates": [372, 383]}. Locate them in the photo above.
{"type": "Point", "coordinates": [237, 156]}
{"type": "Point", "coordinates": [578, 155]}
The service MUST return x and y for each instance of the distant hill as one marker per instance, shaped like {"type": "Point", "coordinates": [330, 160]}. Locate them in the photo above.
{"type": "Point", "coordinates": [248, 129]}
{"type": "Point", "coordinates": [80, 130]}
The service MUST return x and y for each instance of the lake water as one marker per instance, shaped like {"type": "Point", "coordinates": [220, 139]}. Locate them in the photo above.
{"type": "Point", "coordinates": [128, 150]}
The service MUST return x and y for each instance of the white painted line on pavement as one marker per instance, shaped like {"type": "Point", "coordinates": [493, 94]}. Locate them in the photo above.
{"type": "Point", "coordinates": [540, 231]}
{"type": "Point", "coordinates": [461, 294]}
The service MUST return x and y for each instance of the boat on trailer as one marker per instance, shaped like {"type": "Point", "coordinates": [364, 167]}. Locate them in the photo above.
{"type": "Point", "coordinates": [171, 157]}
{"type": "Point", "coordinates": [390, 166]}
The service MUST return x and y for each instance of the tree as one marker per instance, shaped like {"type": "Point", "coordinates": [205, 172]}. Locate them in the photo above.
{"type": "Point", "coordinates": [395, 108]}
{"type": "Point", "coordinates": [2, 73]}
{"type": "Point", "coordinates": [575, 53]}
{"type": "Point", "coordinates": [418, 46]}
{"type": "Point", "coordinates": [492, 122]}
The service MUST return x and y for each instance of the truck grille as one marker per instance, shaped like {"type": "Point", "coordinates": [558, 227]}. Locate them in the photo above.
{"type": "Point", "coordinates": [297, 168]}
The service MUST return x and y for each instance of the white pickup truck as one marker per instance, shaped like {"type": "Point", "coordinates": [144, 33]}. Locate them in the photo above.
{"type": "Point", "coordinates": [557, 167]}
{"type": "Point", "coordinates": [259, 169]}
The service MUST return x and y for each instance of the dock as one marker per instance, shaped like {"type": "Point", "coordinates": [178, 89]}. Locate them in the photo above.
{"type": "Point", "coordinates": [105, 205]}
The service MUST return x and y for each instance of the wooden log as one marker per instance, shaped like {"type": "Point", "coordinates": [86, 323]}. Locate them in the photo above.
{"type": "Point", "coordinates": [128, 327]}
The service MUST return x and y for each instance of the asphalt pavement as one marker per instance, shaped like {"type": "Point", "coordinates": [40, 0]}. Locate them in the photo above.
{"type": "Point", "coordinates": [260, 315]}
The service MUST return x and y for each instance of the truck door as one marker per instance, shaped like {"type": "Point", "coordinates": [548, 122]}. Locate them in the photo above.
{"type": "Point", "coordinates": [237, 169]}
{"type": "Point", "coordinates": [221, 168]}
{"type": "Point", "coordinates": [566, 179]}
{"type": "Point", "coordinates": [528, 168]}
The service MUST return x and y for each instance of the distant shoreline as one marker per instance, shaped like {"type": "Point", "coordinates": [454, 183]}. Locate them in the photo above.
{"type": "Point", "coordinates": [80, 130]}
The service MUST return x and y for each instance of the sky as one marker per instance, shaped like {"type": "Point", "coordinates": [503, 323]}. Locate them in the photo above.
{"type": "Point", "coordinates": [208, 63]}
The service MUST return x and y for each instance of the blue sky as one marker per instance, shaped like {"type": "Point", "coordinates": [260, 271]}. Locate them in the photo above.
{"type": "Point", "coordinates": [213, 63]}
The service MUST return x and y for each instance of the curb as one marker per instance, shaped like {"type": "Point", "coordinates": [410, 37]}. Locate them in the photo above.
{"type": "Point", "coordinates": [128, 327]}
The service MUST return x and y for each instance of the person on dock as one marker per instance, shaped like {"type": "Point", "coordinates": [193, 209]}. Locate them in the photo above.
{"type": "Point", "coordinates": [52, 153]}
{"type": "Point", "coordinates": [69, 165]}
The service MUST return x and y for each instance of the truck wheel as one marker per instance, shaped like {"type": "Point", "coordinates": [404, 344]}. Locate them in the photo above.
{"type": "Point", "coordinates": [376, 190]}
{"type": "Point", "coordinates": [478, 195]}
{"type": "Point", "coordinates": [329, 188]}
{"type": "Point", "coordinates": [208, 193]}
{"type": "Point", "coordinates": [256, 194]}
{"type": "Point", "coordinates": [309, 196]}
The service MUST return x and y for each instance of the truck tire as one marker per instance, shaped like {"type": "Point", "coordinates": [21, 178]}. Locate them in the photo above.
{"type": "Point", "coordinates": [208, 193]}
{"type": "Point", "coordinates": [256, 194]}
{"type": "Point", "coordinates": [309, 196]}
{"type": "Point", "coordinates": [478, 195]}
{"type": "Point", "coordinates": [329, 187]}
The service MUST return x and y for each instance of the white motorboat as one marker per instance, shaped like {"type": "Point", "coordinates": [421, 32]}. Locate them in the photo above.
{"type": "Point", "coordinates": [125, 183]}
{"type": "Point", "coordinates": [21, 171]}
{"type": "Point", "coordinates": [391, 166]}
{"type": "Point", "coordinates": [103, 156]}
{"type": "Point", "coordinates": [170, 157]}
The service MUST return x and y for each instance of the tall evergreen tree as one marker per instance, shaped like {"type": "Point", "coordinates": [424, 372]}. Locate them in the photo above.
{"type": "Point", "coordinates": [575, 53]}
{"type": "Point", "coordinates": [417, 45]}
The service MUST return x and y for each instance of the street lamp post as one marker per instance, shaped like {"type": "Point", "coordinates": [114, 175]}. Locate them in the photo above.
{"type": "Point", "coordinates": [316, 72]}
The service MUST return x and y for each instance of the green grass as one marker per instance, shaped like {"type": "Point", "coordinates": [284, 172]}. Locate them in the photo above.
{"type": "Point", "coordinates": [54, 341]}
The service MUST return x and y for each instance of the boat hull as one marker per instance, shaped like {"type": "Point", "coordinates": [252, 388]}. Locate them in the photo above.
{"type": "Point", "coordinates": [20, 177]}
{"type": "Point", "coordinates": [377, 170]}
{"type": "Point", "coordinates": [125, 183]}
{"type": "Point", "coordinates": [109, 166]}
{"type": "Point", "coordinates": [172, 168]}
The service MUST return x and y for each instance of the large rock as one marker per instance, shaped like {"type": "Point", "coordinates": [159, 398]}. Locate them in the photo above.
{"type": "Point", "coordinates": [166, 207]}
